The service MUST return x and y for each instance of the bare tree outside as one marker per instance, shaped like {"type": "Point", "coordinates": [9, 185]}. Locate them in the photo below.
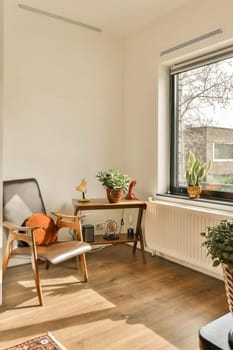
{"type": "Point", "coordinates": [205, 117]}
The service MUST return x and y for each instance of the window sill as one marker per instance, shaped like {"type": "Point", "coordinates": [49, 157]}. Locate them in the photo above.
{"type": "Point", "coordinates": [222, 206]}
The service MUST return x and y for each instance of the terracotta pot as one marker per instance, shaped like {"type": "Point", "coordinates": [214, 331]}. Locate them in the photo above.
{"type": "Point", "coordinates": [194, 191]}
{"type": "Point", "coordinates": [114, 196]}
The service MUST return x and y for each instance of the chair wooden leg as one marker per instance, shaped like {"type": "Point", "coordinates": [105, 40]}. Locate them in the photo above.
{"type": "Point", "coordinates": [14, 235]}
{"type": "Point", "coordinates": [36, 275]}
{"type": "Point", "coordinates": [84, 266]}
{"type": "Point", "coordinates": [38, 285]}
{"type": "Point", "coordinates": [5, 261]}
{"type": "Point", "coordinates": [7, 255]}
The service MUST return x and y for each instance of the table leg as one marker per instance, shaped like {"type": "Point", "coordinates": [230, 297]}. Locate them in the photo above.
{"type": "Point", "coordinates": [139, 235]}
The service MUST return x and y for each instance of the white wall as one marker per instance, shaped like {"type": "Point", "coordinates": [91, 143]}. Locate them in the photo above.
{"type": "Point", "coordinates": [66, 114]}
{"type": "Point", "coordinates": [1, 91]}
{"type": "Point", "coordinates": [146, 102]}
{"type": "Point", "coordinates": [63, 104]}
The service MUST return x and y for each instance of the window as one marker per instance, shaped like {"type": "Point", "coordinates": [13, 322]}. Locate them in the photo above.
{"type": "Point", "coordinates": [223, 152]}
{"type": "Point", "coordinates": [202, 121]}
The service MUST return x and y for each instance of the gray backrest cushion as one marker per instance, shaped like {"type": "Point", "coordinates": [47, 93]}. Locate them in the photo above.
{"type": "Point", "coordinates": [21, 198]}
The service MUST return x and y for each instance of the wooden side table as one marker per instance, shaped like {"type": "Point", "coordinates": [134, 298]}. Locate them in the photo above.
{"type": "Point", "coordinates": [103, 204]}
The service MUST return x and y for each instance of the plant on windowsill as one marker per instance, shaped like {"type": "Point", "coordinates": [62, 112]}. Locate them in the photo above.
{"type": "Point", "coordinates": [195, 173]}
{"type": "Point", "coordinates": [115, 183]}
{"type": "Point", "coordinates": [218, 240]}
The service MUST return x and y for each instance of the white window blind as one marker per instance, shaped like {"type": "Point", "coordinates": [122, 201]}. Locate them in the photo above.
{"type": "Point", "coordinates": [203, 60]}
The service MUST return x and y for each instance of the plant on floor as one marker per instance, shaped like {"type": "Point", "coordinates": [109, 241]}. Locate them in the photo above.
{"type": "Point", "coordinates": [219, 243]}
{"type": "Point", "coordinates": [218, 240]}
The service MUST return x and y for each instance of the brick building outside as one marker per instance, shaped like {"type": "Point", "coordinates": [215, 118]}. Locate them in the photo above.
{"type": "Point", "coordinates": [214, 144]}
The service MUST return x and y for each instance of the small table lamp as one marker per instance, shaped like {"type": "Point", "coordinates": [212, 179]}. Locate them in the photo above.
{"type": "Point", "coordinates": [82, 188]}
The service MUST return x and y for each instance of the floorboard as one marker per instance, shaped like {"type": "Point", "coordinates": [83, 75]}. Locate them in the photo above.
{"type": "Point", "coordinates": [125, 305]}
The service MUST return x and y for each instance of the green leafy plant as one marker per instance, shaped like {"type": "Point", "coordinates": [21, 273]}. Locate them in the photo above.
{"type": "Point", "coordinates": [219, 243]}
{"type": "Point", "coordinates": [196, 171]}
{"type": "Point", "coordinates": [114, 179]}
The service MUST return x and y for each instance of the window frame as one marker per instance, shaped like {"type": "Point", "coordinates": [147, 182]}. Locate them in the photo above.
{"type": "Point", "coordinates": [177, 68]}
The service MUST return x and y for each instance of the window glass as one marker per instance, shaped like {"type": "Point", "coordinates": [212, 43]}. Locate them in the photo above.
{"type": "Point", "coordinates": [223, 152]}
{"type": "Point", "coordinates": [202, 122]}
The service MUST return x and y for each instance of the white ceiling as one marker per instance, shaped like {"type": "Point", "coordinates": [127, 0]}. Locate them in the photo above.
{"type": "Point", "coordinates": [115, 16]}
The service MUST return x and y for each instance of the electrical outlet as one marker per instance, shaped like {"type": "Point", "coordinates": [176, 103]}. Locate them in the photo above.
{"type": "Point", "coordinates": [99, 226]}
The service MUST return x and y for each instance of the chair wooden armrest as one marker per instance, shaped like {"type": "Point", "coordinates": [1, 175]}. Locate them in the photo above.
{"type": "Point", "coordinates": [65, 216]}
{"type": "Point", "coordinates": [73, 222]}
{"type": "Point", "coordinates": [14, 227]}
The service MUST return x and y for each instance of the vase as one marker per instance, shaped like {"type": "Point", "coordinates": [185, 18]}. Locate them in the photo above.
{"type": "Point", "coordinates": [194, 191]}
{"type": "Point", "coordinates": [114, 195]}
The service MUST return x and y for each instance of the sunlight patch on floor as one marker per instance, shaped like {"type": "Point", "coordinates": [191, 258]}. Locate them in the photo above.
{"type": "Point", "coordinates": [88, 301]}
{"type": "Point", "coordinates": [50, 281]}
{"type": "Point", "coordinates": [114, 335]}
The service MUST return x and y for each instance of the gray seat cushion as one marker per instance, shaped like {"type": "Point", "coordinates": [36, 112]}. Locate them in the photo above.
{"type": "Point", "coordinates": [57, 252]}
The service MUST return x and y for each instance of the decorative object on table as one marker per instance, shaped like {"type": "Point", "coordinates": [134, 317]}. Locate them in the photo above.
{"type": "Point", "coordinates": [130, 230]}
{"type": "Point", "coordinates": [43, 342]}
{"type": "Point", "coordinates": [130, 194]}
{"type": "Point", "coordinates": [115, 183]}
{"type": "Point", "coordinates": [195, 173]}
{"type": "Point", "coordinates": [219, 244]}
{"type": "Point", "coordinates": [88, 232]}
{"type": "Point", "coordinates": [110, 228]}
{"type": "Point", "coordinates": [82, 188]}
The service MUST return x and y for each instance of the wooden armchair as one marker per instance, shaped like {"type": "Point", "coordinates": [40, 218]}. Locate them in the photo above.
{"type": "Point", "coordinates": [21, 198]}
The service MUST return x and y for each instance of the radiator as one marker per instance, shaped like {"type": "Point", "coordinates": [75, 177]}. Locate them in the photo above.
{"type": "Point", "coordinates": [173, 231]}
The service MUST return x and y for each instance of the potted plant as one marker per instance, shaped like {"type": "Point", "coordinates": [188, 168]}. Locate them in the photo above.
{"type": "Point", "coordinates": [115, 183]}
{"type": "Point", "coordinates": [195, 173]}
{"type": "Point", "coordinates": [218, 240]}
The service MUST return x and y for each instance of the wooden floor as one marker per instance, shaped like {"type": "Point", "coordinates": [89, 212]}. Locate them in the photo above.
{"type": "Point", "coordinates": [126, 305]}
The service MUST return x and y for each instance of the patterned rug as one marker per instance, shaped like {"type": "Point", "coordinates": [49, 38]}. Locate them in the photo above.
{"type": "Point", "coordinates": [44, 342]}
